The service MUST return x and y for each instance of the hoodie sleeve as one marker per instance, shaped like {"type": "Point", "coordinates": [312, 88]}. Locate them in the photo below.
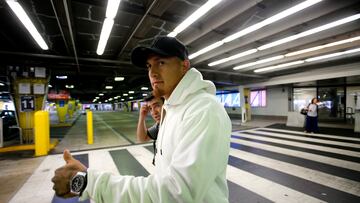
{"type": "Point", "coordinates": [197, 161]}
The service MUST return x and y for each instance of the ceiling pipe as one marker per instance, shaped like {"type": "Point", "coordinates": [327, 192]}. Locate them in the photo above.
{"type": "Point", "coordinates": [60, 27]}
{"type": "Point", "coordinates": [64, 57]}
{"type": "Point", "coordinates": [71, 33]}
{"type": "Point", "coordinates": [137, 27]}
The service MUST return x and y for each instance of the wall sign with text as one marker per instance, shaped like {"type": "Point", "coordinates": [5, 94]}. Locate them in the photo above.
{"type": "Point", "coordinates": [27, 103]}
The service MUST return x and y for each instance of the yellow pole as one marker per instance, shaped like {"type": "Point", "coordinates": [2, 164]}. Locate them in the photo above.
{"type": "Point", "coordinates": [41, 126]}
{"type": "Point", "coordinates": [90, 133]}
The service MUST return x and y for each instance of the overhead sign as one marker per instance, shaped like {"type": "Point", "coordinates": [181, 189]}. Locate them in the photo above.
{"type": "Point", "coordinates": [27, 103]}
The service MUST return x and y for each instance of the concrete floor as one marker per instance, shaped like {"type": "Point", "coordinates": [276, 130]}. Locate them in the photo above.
{"type": "Point", "coordinates": [111, 129]}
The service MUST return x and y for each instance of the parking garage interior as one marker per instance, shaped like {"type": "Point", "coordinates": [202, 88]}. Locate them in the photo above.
{"type": "Point", "coordinates": [267, 59]}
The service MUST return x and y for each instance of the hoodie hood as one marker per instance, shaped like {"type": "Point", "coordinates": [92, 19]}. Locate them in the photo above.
{"type": "Point", "coordinates": [191, 82]}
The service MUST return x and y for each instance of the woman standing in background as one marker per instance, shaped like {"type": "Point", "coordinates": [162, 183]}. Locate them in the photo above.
{"type": "Point", "coordinates": [312, 117]}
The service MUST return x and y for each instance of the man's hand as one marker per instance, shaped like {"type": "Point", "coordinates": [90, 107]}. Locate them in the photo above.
{"type": "Point", "coordinates": [144, 111]}
{"type": "Point", "coordinates": [64, 174]}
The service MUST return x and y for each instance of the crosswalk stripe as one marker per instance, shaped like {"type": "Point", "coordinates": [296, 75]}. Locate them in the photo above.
{"type": "Point", "coordinates": [355, 155]}
{"type": "Point", "coordinates": [38, 188]}
{"type": "Point", "coordinates": [143, 156]}
{"type": "Point", "coordinates": [283, 135]}
{"type": "Point", "coordinates": [102, 161]}
{"type": "Point", "coordinates": [317, 134]}
{"type": "Point", "coordinates": [270, 190]}
{"type": "Point", "coordinates": [305, 155]}
{"type": "Point", "coordinates": [338, 183]}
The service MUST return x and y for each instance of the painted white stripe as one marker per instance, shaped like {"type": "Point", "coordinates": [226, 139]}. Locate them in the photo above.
{"type": "Point", "coordinates": [320, 135]}
{"type": "Point", "coordinates": [268, 189]}
{"type": "Point", "coordinates": [299, 154]}
{"type": "Point", "coordinates": [307, 146]}
{"type": "Point", "coordinates": [305, 139]}
{"type": "Point", "coordinates": [143, 156]}
{"type": "Point", "coordinates": [101, 160]}
{"type": "Point", "coordinates": [342, 184]}
{"type": "Point", "coordinates": [38, 188]}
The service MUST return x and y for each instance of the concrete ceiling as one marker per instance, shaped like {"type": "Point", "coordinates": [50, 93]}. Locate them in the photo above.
{"type": "Point", "coordinates": [71, 29]}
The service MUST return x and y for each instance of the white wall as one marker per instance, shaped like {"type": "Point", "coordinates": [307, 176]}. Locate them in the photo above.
{"type": "Point", "coordinates": [276, 103]}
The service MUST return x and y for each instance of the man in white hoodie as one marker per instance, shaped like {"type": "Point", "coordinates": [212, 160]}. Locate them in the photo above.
{"type": "Point", "coordinates": [193, 141]}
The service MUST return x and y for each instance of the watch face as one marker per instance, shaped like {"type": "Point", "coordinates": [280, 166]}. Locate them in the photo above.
{"type": "Point", "coordinates": [77, 183]}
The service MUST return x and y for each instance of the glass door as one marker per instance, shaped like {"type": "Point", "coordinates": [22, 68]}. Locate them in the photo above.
{"type": "Point", "coordinates": [333, 99]}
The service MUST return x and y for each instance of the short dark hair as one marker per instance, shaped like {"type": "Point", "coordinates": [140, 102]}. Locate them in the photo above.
{"type": "Point", "coordinates": [151, 97]}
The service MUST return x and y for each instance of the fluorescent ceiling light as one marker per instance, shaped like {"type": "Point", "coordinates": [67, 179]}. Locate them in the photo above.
{"type": "Point", "coordinates": [144, 88]}
{"type": "Point", "coordinates": [310, 32]}
{"type": "Point", "coordinates": [25, 20]}
{"type": "Point", "coordinates": [112, 8]}
{"type": "Point", "coordinates": [106, 100]}
{"type": "Point", "coordinates": [105, 33]}
{"type": "Point", "coordinates": [108, 87]}
{"type": "Point", "coordinates": [125, 94]}
{"type": "Point", "coordinates": [2, 84]}
{"type": "Point", "coordinates": [61, 77]}
{"type": "Point", "coordinates": [122, 99]}
{"type": "Point", "coordinates": [97, 97]}
{"type": "Point", "coordinates": [259, 62]}
{"type": "Point", "coordinates": [272, 19]}
{"type": "Point", "coordinates": [69, 86]}
{"type": "Point", "coordinates": [144, 95]}
{"type": "Point", "coordinates": [332, 55]}
{"type": "Point", "coordinates": [119, 78]}
{"type": "Point", "coordinates": [131, 92]}
{"type": "Point", "coordinates": [101, 94]}
{"type": "Point", "coordinates": [206, 49]}
{"type": "Point", "coordinates": [323, 46]}
{"type": "Point", "coordinates": [50, 86]}
{"type": "Point", "coordinates": [99, 102]}
{"type": "Point", "coordinates": [130, 97]}
{"type": "Point", "coordinates": [194, 16]}
{"type": "Point", "coordinates": [245, 53]}
{"type": "Point", "coordinates": [279, 66]}
{"type": "Point", "coordinates": [257, 26]}
{"type": "Point", "coordinates": [110, 99]}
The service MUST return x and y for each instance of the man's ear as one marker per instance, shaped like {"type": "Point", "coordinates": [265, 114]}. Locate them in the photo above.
{"type": "Point", "coordinates": [186, 65]}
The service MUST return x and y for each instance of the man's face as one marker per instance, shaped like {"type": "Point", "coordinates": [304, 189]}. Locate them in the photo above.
{"type": "Point", "coordinates": [155, 108]}
{"type": "Point", "coordinates": [165, 73]}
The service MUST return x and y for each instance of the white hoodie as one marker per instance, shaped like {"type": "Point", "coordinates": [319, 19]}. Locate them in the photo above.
{"type": "Point", "coordinates": [192, 153]}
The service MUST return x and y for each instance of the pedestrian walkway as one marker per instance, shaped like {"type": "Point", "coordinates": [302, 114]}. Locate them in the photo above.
{"type": "Point", "coordinates": [265, 165]}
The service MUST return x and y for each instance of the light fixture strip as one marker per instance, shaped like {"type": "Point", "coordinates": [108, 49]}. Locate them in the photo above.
{"type": "Point", "coordinates": [332, 55]}
{"type": "Point", "coordinates": [194, 16]}
{"type": "Point", "coordinates": [323, 46]}
{"type": "Point", "coordinates": [310, 32]}
{"type": "Point", "coordinates": [25, 20]}
{"type": "Point", "coordinates": [257, 26]}
{"type": "Point", "coordinates": [259, 62]}
{"type": "Point", "coordinates": [111, 11]}
{"type": "Point", "coordinates": [297, 36]}
{"type": "Point", "coordinates": [308, 60]}
{"type": "Point", "coordinates": [279, 66]}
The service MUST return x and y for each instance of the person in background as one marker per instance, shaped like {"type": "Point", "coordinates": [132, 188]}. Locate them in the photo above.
{"type": "Point", "coordinates": [193, 140]}
{"type": "Point", "coordinates": [144, 134]}
{"type": "Point", "coordinates": [311, 125]}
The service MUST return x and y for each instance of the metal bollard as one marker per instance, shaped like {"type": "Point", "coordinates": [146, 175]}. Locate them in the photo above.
{"type": "Point", "coordinates": [42, 136]}
{"type": "Point", "coordinates": [90, 131]}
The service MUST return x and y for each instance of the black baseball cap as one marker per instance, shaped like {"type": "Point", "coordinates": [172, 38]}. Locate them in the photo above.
{"type": "Point", "coordinates": [163, 46]}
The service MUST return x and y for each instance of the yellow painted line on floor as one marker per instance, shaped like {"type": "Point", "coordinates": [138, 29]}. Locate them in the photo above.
{"type": "Point", "coordinates": [26, 147]}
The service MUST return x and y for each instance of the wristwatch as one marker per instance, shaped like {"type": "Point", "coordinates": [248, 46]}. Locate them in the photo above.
{"type": "Point", "coordinates": [78, 183]}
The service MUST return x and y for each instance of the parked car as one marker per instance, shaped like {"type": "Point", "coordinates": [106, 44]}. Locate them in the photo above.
{"type": "Point", "coordinates": [9, 120]}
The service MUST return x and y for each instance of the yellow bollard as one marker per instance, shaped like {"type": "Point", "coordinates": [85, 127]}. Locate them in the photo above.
{"type": "Point", "coordinates": [90, 133]}
{"type": "Point", "coordinates": [42, 136]}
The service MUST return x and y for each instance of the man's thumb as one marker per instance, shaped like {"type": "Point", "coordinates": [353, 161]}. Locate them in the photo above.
{"type": "Point", "coordinates": [67, 156]}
